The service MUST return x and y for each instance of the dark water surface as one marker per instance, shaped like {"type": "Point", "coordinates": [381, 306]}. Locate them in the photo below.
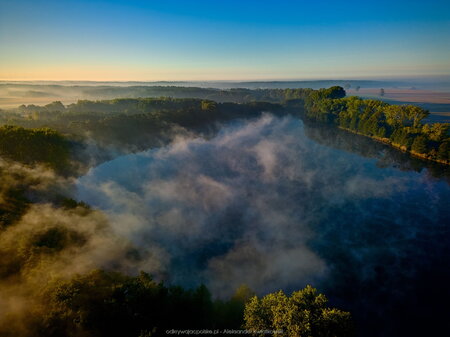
{"type": "Point", "coordinates": [276, 204]}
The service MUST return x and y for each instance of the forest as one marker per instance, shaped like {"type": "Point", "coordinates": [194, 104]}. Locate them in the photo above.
{"type": "Point", "coordinates": [43, 148]}
{"type": "Point", "coordinates": [138, 122]}
{"type": "Point", "coordinates": [398, 125]}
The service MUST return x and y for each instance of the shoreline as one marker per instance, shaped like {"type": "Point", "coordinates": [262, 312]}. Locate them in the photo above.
{"type": "Point", "coordinates": [399, 147]}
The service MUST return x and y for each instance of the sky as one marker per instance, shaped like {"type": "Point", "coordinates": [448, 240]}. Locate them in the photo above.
{"type": "Point", "coordinates": [131, 40]}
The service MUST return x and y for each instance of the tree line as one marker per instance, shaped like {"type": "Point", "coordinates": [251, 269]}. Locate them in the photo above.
{"type": "Point", "coordinates": [108, 304]}
{"type": "Point", "coordinates": [138, 123]}
{"type": "Point", "coordinates": [398, 125]}
{"type": "Point", "coordinates": [135, 124]}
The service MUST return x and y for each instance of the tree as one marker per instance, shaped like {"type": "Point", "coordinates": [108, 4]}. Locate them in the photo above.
{"type": "Point", "coordinates": [55, 106]}
{"type": "Point", "coordinates": [436, 131]}
{"type": "Point", "coordinates": [444, 151]}
{"type": "Point", "coordinates": [381, 92]}
{"type": "Point", "coordinates": [335, 92]}
{"type": "Point", "coordinates": [394, 115]}
{"type": "Point", "coordinates": [208, 105]}
{"type": "Point", "coordinates": [401, 137]}
{"type": "Point", "coordinates": [304, 314]}
{"type": "Point", "coordinates": [414, 115]}
{"type": "Point", "coordinates": [419, 144]}
{"type": "Point", "coordinates": [231, 313]}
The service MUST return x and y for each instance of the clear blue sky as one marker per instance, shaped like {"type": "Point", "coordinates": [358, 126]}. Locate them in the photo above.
{"type": "Point", "coordinates": [213, 40]}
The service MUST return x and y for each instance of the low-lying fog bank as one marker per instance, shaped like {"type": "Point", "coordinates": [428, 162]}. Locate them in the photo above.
{"type": "Point", "coordinates": [262, 204]}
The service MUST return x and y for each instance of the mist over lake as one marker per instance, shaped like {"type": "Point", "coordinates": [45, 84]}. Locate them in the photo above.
{"type": "Point", "coordinates": [265, 204]}
{"type": "Point", "coordinates": [200, 168]}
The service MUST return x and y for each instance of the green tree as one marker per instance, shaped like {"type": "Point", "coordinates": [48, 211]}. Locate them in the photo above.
{"type": "Point", "coordinates": [208, 105]}
{"type": "Point", "coordinates": [437, 131]}
{"type": "Point", "coordinates": [304, 314]}
{"type": "Point", "coordinates": [419, 144]}
{"type": "Point", "coordinates": [414, 115]}
{"type": "Point", "coordinates": [394, 115]}
{"type": "Point", "coordinates": [444, 151]}
{"type": "Point", "coordinates": [56, 106]}
{"type": "Point", "coordinates": [335, 92]}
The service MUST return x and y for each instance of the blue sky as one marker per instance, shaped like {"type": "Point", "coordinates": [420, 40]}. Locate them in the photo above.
{"type": "Point", "coordinates": [222, 40]}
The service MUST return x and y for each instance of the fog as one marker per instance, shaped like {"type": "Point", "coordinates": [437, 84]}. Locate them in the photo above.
{"type": "Point", "coordinates": [262, 204]}
{"type": "Point", "coordinates": [265, 202]}
{"type": "Point", "coordinates": [78, 240]}
{"type": "Point", "coordinates": [15, 93]}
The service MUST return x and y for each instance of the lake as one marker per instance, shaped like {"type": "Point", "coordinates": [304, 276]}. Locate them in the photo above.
{"type": "Point", "coordinates": [277, 204]}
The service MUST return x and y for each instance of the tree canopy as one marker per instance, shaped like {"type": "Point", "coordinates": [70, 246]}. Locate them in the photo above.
{"type": "Point", "coordinates": [305, 313]}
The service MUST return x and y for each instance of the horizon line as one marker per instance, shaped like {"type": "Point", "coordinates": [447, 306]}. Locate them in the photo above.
{"type": "Point", "coordinates": [368, 78]}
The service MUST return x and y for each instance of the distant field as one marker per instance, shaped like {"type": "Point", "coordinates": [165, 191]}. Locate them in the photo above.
{"type": "Point", "coordinates": [405, 95]}
{"type": "Point", "coordinates": [14, 102]}
{"type": "Point", "coordinates": [438, 117]}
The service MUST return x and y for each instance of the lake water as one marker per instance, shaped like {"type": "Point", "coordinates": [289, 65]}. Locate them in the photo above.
{"type": "Point", "coordinates": [275, 204]}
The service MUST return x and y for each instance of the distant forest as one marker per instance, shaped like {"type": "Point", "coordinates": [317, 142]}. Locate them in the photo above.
{"type": "Point", "coordinates": [137, 123]}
